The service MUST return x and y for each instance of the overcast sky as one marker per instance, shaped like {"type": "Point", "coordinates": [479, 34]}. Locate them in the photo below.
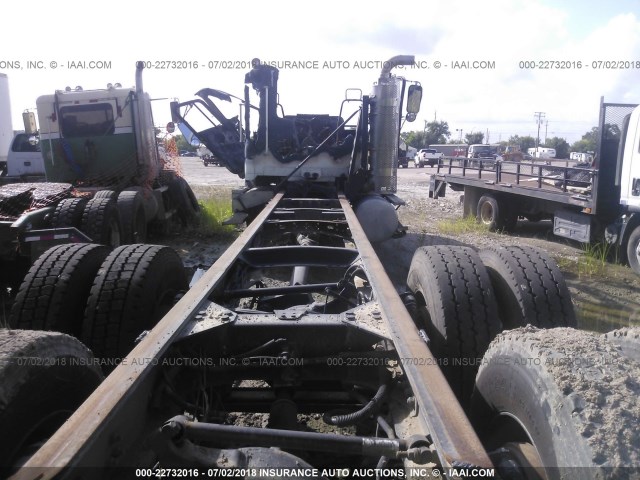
{"type": "Point", "coordinates": [503, 33]}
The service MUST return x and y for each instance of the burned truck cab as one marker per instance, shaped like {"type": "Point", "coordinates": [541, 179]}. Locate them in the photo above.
{"type": "Point", "coordinates": [281, 142]}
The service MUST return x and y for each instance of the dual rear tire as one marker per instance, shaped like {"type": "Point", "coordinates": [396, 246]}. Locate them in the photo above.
{"type": "Point", "coordinates": [466, 298]}
{"type": "Point", "coordinates": [107, 299]}
{"type": "Point", "coordinates": [108, 218]}
{"type": "Point", "coordinates": [546, 403]}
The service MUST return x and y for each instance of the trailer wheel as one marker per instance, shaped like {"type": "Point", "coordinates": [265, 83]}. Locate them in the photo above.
{"type": "Point", "coordinates": [68, 213]}
{"type": "Point", "coordinates": [44, 376]}
{"type": "Point", "coordinates": [105, 194]}
{"type": "Point", "coordinates": [145, 280]}
{"type": "Point", "coordinates": [184, 200]}
{"type": "Point", "coordinates": [529, 287]}
{"type": "Point", "coordinates": [456, 308]}
{"type": "Point", "coordinates": [494, 214]}
{"type": "Point", "coordinates": [633, 250]}
{"type": "Point", "coordinates": [101, 221]}
{"type": "Point", "coordinates": [627, 340]}
{"type": "Point", "coordinates": [54, 293]}
{"type": "Point", "coordinates": [556, 399]}
{"type": "Point", "coordinates": [133, 217]}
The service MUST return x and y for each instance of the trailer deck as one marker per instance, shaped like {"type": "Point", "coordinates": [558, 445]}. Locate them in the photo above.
{"type": "Point", "coordinates": [570, 185]}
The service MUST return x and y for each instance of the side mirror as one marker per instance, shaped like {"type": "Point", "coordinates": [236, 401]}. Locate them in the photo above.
{"type": "Point", "coordinates": [414, 98]}
{"type": "Point", "coordinates": [175, 109]}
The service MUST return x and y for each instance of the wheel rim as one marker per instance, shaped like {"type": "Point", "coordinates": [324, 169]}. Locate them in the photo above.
{"type": "Point", "coordinates": [637, 249]}
{"type": "Point", "coordinates": [486, 213]}
{"type": "Point", "coordinates": [519, 461]}
{"type": "Point", "coordinates": [38, 434]}
{"type": "Point", "coordinates": [516, 456]}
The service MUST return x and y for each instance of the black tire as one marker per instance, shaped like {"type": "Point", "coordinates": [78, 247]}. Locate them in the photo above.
{"type": "Point", "coordinates": [494, 214]}
{"type": "Point", "coordinates": [184, 200]}
{"type": "Point", "coordinates": [133, 217]}
{"type": "Point", "coordinates": [148, 199]}
{"type": "Point", "coordinates": [529, 287]}
{"type": "Point", "coordinates": [567, 393]}
{"type": "Point", "coordinates": [44, 376]}
{"type": "Point", "coordinates": [54, 293]}
{"type": "Point", "coordinates": [68, 213]}
{"type": "Point", "coordinates": [627, 340]}
{"type": "Point", "coordinates": [195, 205]}
{"type": "Point", "coordinates": [633, 250]}
{"type": "Point", "coordinates": [105, 194]}
{"type": "Point", "coordinates": [456, 308]}
{"type": "Point", "coordinates": [145, 279]}
{"type": "Point", "coordinates": [101, 221]}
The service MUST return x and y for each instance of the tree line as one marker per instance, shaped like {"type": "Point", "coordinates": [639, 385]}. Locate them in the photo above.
{"type": "Point", "coordinates": [437, 132]}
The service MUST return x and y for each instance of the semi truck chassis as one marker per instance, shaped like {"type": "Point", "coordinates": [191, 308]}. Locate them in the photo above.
{"type": "Point", "coordinates": [298, 347]}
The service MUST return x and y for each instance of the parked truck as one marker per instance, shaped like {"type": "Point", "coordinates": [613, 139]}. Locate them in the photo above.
{"type": "Point", "coordinates": [599, 204]}
{"type": "Point", "coordinates": [24, 159]}
{"type": "Point", "coordinates": [427, 156]}
{"type": "Point", "coordinates": [294, 355]}
{"type": "Point", "coordinates": [106, 179]}
{"type": "Point", "coordinates": [207, 157]}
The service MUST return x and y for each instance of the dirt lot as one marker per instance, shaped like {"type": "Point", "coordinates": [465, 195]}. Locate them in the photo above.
{"type": "Point", "coordinates": [606, 295]}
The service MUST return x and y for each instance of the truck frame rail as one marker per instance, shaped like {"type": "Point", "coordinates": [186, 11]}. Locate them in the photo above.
{"type": "Point", "coordinates": [356, 315]}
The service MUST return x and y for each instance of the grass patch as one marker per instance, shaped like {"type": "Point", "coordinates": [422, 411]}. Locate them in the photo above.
{"type": "Point", "coordinates": [594, 259]}
{"type": "Point", "coordinates": [213, 211]}
{"type": "Point", "coordinates": [458, 226]}
{"type": "Point", "coordinates": [567, 264]}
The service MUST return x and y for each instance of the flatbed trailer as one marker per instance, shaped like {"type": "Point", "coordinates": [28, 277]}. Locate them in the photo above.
{"type": "Point", "coordinates": [593, 204]}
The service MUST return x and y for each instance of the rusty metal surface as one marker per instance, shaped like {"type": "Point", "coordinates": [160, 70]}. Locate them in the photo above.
{"type": "Point", "coordinates": [451, 431]}
{"type": "Point", "coordinates": [17, 198]}
{"type": "Point", "coordinates": [84, 439]}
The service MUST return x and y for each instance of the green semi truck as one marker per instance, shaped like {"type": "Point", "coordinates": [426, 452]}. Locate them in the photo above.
{"type": "Point", "coordinates": [107, 180]}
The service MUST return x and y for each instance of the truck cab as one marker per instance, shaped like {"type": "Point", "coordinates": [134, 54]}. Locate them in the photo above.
{"type": "Point", "coordinates": [97, 137]}
{"type": "Point", "coordinates": [629, 155]}
{"type": "Point", "coordinates": [24, 157]}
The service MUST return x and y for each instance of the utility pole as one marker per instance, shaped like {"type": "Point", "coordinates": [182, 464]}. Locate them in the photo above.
{"type": "Point", "coordinates": [546, 127]}
{"type": "Point", "coordinates": [425, 135]}
{"type": "Point", "coordinates": [487, 135]}
{"type": "Point", "coordinates": [540, 117]}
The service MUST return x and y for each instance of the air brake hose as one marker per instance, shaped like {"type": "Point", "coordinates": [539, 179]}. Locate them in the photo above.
{"type": "Point", "coordinates": [370, 408]}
